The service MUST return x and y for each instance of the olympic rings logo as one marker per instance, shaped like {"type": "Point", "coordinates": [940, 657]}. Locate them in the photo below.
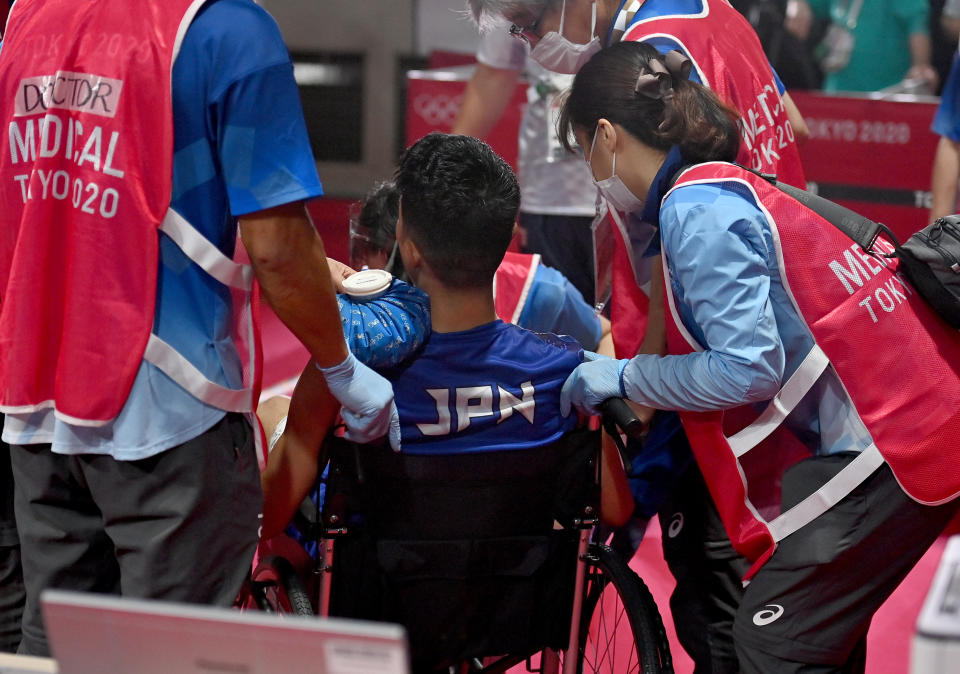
{"type": "Point", "coordinates": [438, 109]}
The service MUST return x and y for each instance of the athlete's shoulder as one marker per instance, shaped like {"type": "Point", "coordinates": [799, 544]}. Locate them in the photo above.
{"type": "Point", "coordinates": [235, 37]}
{"type": "Point", "coordinates": [562, 345]}
{"type": "Point", "coordinates": [234, 17]}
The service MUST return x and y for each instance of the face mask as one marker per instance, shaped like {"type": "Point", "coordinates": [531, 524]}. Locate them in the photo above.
{"type": "Point", "coordinates": [555, 52]}
{"type": "Point", "coordinates": [613, 189]}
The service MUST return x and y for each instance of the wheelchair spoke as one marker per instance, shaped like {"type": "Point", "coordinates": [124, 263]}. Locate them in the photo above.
{"type": "Point", "coordinates": [617, 630]}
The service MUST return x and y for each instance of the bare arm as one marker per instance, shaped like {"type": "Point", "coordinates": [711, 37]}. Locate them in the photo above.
{"type": "Point", "coordinates": [946, 173]}
{"type": "Point", "coordinates": [616, 499]}
{"type": "Point", "coordinates": [921, 69]}
{"type": "Point", "coordinates": [950, 26]}
{"type": "Point", "coordinates": [800, 128]}
{"type": "Point", "coordinates": [484, 100]}
{"type": "Point", "coordinates": [292, 466]}
{"type": "Point", "coordinates": [291, 265]}
{"type": "Point", "coordinates": [605, 346]}
{"type": "Point", "coordinates": [616, 502]}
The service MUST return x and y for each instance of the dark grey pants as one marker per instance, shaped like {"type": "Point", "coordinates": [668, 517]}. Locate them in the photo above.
{"type": "Point", "coordinates": [565, 243]}
{"type": "Point", "coordinates": [11, 578]}
{"type": "Point", "coordinates": [809, 607]}
{"type": "Point", "coordinates": [179, 526]}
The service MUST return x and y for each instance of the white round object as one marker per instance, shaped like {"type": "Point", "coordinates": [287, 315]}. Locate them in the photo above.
{"type": "Point", "coordinates": [368, 283]}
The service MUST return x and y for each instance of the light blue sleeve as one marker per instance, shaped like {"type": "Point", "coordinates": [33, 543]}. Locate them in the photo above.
{"type": "Point", "coordinates": [556, 306]}
{"type": "Point", "coordinates": [720, 276]}
{"type": "Point", "coordinates": [383, 332]}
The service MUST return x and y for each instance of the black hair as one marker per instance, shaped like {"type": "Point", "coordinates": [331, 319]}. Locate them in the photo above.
{"type": "Point", "coordinates": [378, 214]}
{"type": "Point", "coordinates": [697, 121]}
{"type": "Point", "coordinates": [459, 201]}
{"type": "Point", "coordinates": [379, 211]}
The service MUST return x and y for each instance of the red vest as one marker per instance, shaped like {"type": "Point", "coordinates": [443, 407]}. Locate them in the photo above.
{"type": "Point", "coordinates": [629, 302]}
{"type": "Point", "coordinates": [88, 179]}
{"type": "Point", "coordinates": [511, 285]}
{"type": "Point", "coordinates": [729, 59]}
{"type": "Point", "coordinates": [897, 360]}
{"type": "Point", "coordinates": [85, 188]}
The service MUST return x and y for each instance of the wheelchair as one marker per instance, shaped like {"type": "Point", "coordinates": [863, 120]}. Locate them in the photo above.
{"type": "Point", "coordinates": [486, 559]}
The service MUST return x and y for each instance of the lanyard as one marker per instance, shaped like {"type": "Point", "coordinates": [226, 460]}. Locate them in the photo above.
{"type": "Point", "coordinates": [852, 11]}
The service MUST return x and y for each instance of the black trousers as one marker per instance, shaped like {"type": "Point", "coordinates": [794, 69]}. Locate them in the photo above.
{"type": "Point", "coordinates": [708, 572]}
{"type": "Point", "coordinates": [12, 595]}
{"type": "Point", "coordinates": [809, 607]}
{"type": "Point", "coordinates": [565, 243]}
{"type": "Point", "coordinates": [179, 526]}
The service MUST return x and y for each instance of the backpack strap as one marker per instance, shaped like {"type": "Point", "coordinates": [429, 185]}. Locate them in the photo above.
{"type": "Point", "coordinates": [863, 231]}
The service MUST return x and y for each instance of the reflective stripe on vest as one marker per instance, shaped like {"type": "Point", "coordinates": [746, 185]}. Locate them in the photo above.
{"type": "Point", "coordinates": [512, 283]}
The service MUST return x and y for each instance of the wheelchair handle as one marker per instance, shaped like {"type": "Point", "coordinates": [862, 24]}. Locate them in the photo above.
{"type": "Point", "coordinates": [617, 411]}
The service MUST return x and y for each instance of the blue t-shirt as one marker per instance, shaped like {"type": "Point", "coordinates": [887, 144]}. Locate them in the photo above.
{"type": "Point", "coordinates": [947, 120]}
{"type": "Point", "coordinates": [494, 387]}
{"type": "Point", "coordinates": [240, 146]}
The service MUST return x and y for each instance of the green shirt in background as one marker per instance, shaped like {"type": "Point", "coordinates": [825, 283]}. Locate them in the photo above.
{"type": "Point", "coordinates": [881, 51]}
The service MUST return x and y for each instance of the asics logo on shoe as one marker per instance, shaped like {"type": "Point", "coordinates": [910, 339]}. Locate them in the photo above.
{"type": "Point", "coordinates": [676, 524]}
{"type": "Point", "coordinates": [769, 613]}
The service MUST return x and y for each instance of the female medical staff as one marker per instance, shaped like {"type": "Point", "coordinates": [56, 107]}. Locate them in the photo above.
{"type": "Point", "coordinates": [781, 337]}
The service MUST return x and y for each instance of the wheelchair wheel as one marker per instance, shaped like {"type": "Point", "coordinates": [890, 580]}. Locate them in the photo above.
{"type": "Point", "coordinates": [276, 588]}
{"type": "Point", "coordinates": [621, 631]}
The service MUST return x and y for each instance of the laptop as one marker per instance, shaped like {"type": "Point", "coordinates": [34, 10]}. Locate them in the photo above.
{"type": "Point", "coordinates": [93, 634]}
{"type": "Point", "coordinates": [936, 644]}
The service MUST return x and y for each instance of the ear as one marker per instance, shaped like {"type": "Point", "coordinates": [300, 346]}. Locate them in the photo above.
{"type": "Point", "coordinates": [411, 255]}
{"type": "Point", "coordinates": [606, 135]}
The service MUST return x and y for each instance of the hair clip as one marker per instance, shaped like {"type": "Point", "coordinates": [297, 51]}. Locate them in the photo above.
{"type": "Point", "coordinates": [657, 76]}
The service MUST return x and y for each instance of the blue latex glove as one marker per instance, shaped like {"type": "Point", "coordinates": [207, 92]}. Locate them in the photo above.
{"type": "Point", "coordinates": [595, 380]}
{"type": "Point", "coordinates": [367, 398]}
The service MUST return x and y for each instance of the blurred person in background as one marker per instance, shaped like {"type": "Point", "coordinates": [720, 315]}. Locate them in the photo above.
{"type": "Point", "coordinates": [870, 45]}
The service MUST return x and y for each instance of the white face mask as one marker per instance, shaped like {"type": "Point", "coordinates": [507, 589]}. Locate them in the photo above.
{"type": "Point", "coordinates": [555, 52]}
{"type": "Point", "coordinates": [612, 188]}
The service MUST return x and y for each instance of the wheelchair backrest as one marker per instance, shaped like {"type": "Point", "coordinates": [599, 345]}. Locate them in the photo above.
{"type": "Point", "coordinates": [462, 550]}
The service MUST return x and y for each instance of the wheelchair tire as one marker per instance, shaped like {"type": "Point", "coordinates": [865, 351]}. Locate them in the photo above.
{"type": "Point", "coordinates": [277, 588]}
{"type": "Point", "coordinates": [616, 597]}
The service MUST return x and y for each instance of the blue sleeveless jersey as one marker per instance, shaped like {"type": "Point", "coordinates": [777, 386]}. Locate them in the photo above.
{"type": "Point", "coordinates": [495, 387]}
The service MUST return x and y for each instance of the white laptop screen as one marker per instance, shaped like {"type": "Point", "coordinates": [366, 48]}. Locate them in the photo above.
{"type": "Point", "coordinates": [92, 634]}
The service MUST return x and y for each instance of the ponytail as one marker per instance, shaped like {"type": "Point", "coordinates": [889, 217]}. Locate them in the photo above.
{"type": "Point", "coordinates": [702, 126]}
